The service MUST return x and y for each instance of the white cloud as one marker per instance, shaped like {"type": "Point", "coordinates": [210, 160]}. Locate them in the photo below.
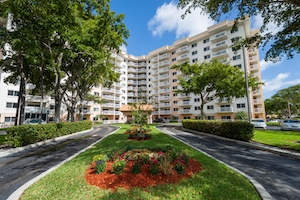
{"type": "Point", "coordinates": [267, 64]}
{"type": "Point", "coordinates": [168, 18]}
{"type": "Point", "coordinates": [279, 82]}
{"type": "Point", "coordinates": [271, 27]}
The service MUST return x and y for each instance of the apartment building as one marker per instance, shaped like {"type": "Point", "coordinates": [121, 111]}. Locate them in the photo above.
{"type": "Point", "coordinates": [151, 76]}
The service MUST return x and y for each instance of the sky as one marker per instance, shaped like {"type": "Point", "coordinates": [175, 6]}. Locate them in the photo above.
{"type": "Point", "coordinates": [156, 23]}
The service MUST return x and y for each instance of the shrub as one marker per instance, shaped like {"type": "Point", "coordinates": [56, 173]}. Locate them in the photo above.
{"type": "Point", "coordinates": [145, 158]}
{"type": "Point", "coordinates": [165, 165]}
{"type": "Point", "coordinates": [118, 166]}
{"type": "Point", "coordinates": [137, 168]}
{"type": "Point", "coordinates": [179, 166]}
{"type": "Point", "coordinates": [100, 166]}
{"type": "Point", "coordinates": [154, 169]}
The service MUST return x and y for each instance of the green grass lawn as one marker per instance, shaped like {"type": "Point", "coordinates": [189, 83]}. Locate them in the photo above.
{"type": "Point", "coordinates": [2, 139]}
{"type": "Point", "coordinates": [281, 139]}
{"type": "Point", "coordinates": [215, 181]}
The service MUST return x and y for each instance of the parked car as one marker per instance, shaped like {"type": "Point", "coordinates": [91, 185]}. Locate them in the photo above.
{"type": "Point", "coordinates": [159, 120]}
{"type": "Point", "coordinates": [259, 123]}
{"type": "Point", "coordinates": [290, 125]}
{"type": "Point", "coordinates": [34, 121]}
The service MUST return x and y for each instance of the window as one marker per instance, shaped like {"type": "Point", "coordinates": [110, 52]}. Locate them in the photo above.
{"type": "Point", "coordinates": [240, 105]}
{"type": "Point", "coordinates": [175, 95]}
{"type": "Point", "coordinates": [95, 118]}
{"type": "Point", "coordinates": [226, 117]}
{"type": "Point", "coordinates": [187, 118]}
{"type": "Point", "coordinates": [96, 109]}
{"type": "Point", "coordinates": [239, 66]}
{"type": "Point", "coordinates": [174, 87]}
{"type": "Point", "coordinates": [210, 107]}
{"type": "Point", "coordinates": [175, 102]}
{"type": "Point", "coordinates": [237, 57]}
{"type": "Point", "coordinates": [52, 107]}
{"type": "Point", "coordinates": [11, 105]}
{"type": "Point", "coordinates": [234, 30]}
{"type": "Point", "coordinates": [12, 93]}
{"type": "Point", "coordinates": [197, 107]}
{"type": "Point", "coordinates": [197, 100]}
{"type": "Point", "coordinates": [210, 98]}
{"type": "Point", "coordinates": [174, 80]}
{"type": "Point", "coordinates": [194, 52]}
{"type": "Point", "coordinates": [9, 119]}
{"type": "Point", "coordinates": [175, 109]}
{"type": "Point", "coordinates": [207, 56]}
{"type": "Point", "coordinates": [173, 52]}
{"type": "Point", "coordinates": [173, 59]}
{"type": "Point", "coordinates": [149, 79]}
{"type": "Point", "coordinates": [195, 60]}
{"type": "Point", "coordinates": [174, 73]}
{"type": "Point", "coordinates": [96, 93]}
{"type": "Point", "coordinates": [206, 48]}
{"type": "Point", "coordinates": [206, 41]}
{"type": "Point", "coordinates": [194, 45]}
{"type": "Point", "coordinates": [211, 117]}
{"type": "Point", "coordinates": [233, 40]}
{"type": "Point", "coordinates": [197, 117]}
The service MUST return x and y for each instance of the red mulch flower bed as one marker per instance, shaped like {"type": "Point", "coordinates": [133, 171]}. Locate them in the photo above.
{"type": "Point", "coordinates": [127, 180]}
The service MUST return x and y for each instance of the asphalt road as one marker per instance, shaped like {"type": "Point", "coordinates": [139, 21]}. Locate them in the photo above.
{"type": "Point", "coordinates": [18, 168]}
{"type": "Point", "coordinates": [279, 175]}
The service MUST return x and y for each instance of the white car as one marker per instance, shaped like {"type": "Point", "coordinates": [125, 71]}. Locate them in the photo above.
{"type": "Point", "coordinates": [290, 125]}
{"type": "Point", "coordinates": [34, 121]}
{"type": "Point", "coordinates": [259, 123]}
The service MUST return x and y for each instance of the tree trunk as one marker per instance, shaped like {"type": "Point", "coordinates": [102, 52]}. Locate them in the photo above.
{"type": "Point", "coordinates": [58, 95]}
{"type": "Point", "coordinates": [21, 99]}
{"type": "Point", "coordinates": [42, 94]}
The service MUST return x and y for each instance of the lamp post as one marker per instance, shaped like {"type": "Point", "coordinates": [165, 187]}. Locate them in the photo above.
{"type": "Point", "coordinates": [247, 85]}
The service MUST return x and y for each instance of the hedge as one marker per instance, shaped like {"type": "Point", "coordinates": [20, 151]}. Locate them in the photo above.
{"type": "Point", "coordinates": [23, 135]}
{"type": "Point", "coordinates": [235, 130]}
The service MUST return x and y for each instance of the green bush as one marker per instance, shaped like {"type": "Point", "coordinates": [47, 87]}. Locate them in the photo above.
{"type": "Point", "coordinates": [273, 123]}
{"type": "Point", "coordinates": [137, 168]}
{"type": "Point", "coordinates": [22, 135]}
{"type": "Point", "coordinates": [234, 130]}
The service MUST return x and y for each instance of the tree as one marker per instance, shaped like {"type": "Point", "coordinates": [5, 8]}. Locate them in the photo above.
{"type": "Point", "coordinates": [284, 103]}
{"type": "Point", "coordinates": [285, 14]}
{"type": "Point", "coordinates": [212, 80]}
{"type": "Point", "coordinates": [241, 115]}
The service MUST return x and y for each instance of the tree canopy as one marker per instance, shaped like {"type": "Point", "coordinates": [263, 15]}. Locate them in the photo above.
{"type": "Point", "coordinates": [285, 14]}
{"type": "Point", "coordinates": [211, 80]}
{"type": "Point", "coordinates": [284, 103]}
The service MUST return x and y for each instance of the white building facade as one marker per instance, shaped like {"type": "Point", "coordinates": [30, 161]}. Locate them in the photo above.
{"type": "Point", "coordinates": [151, 75]}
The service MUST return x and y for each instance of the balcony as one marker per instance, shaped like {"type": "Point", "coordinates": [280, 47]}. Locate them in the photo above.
{"type": "Point", "coordinates": [164, 98]}
{"type": "Point", "coordinates": [257, 101]}
{"type": "Point", "coordinates": [183, 49]}
{"type": "Point", "coordinates": [223, 53]}
{"type": "Point", "coordinates": [131, 94]}
{"type": "Point", "coordinates": [155, 66]}
{"type": "Point", "coordinates": [252, 52]}
{"type": "Point", "coordinates": [142, 70]}
{"type": "Point", "coordinates": [253, 67]}
{"type": "Point", "coordinates": [110, 112]}
{"type": "Point", "coordinates": [164, 83]}
{"type": "Point", "coordinates": [258, 110]}
{"type": "Point", "coordinates": [155, 72]}
{"type": "Point", "coordinates": [223, 100]}
{"type": "Point", "coordinates": [184, 103]}
{"type": "Point", "coordinates": [142, 64]}
{"type": "Point", "coordinates": [165, 76]}
{"type": "Point", "coordinates": [224, 110]}
{"type": "Point", "coordinates": [165, 112]}
{"type": "Point", "coordinates": [256, 92]}
{"type": "Point", "coordinates": [30, 98]}
{"type": "Point", "coordinates": [164, 90]}
{"type": "Point", "coordinates": [132, 64]}
{"type": "Point", "coordinates": [164, 63]}
{"type": "Point", "coordinates": [130, 69]}
{"type": "Point", "coordinates": [32, 109]}
{"type": "Point", "coordinates": [220, 45]}
{"type": "Point", "coordinates": [154, 60]}
{"type": "Point", "coordinates": [183, 57]}
{"type": "Point", "coordinates": [142, 82]}
{"type": "Point", "coordinates": [185, 111]}
{"type": "Point", "coordinates": [164, 105]}
{"type": "Point", "coordinates": [183, 96]}
{"type": "Point", "coordinates": [131, 100]}
{"type": "Point", "coordinates": [108, 97]}
{"type": "Point", "coordinates": [132, 82]}
{"type": "Point", "coordinates": [164, 69]}
{"type": "Point", "coordinates": [164, 56]}
{"type": "Point", "coordinates": [218, 37]}
{"type": "Point", "coordinates": [253, 59]}
{"type": "Point", "coordinates": [111, 105]}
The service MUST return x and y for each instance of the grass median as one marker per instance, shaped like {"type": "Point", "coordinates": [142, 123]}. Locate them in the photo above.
{"type": "Point", "coordinates": [215, 181]}
{"type": "Point", "coordinates": [282, 139]}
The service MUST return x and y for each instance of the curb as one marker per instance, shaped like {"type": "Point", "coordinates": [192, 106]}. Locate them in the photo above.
{"type": "Point", "coordinates": [17, 193]}
{"type": "Point", "coordinates": [61, 138]}
{"type": "Point", "coordinates": [264, 194]}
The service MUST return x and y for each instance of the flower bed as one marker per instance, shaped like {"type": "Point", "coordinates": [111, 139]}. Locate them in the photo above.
{"type": "Point", "coordinates": [142, 168]}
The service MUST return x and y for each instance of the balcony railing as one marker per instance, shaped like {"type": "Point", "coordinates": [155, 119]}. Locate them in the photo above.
{"type": "Point", "coordinates": [185, 111]}
{"type": "Point", "coordinates": [225, 109]}
{"type": "Point", "coordinates": [185, 103]}
{"type": "Point", "coordinates": [182, 49]}
{"type": "Point", "coordinates": [164, 105]}
{"type": "Point", "coordinates": [183, 57]}
{"type": "Point", "coordinates": [32, 109]}
{"type": "Point", "coordinates": [164, 56]}
{"type": "Point", "coordinates": [220, 53]}
{"type": "Point", "coordinates": [164, 97]}
{"type": "Point", "coordinates": [218, 37]}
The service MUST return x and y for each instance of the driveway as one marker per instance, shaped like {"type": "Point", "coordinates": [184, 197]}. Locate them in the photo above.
{"type": "Point", "coordinates": [279, 175]}
{"type": "Point", "coordinates": [18, 168]}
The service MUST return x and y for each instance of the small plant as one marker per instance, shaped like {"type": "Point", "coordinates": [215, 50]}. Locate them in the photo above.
{"type": "Point", "coordinates": [179, 166]}
{"type": "Point", "coordinates": [165, 165]}
{"type": "Point", "coordinates": [137, 168]}
{"type": "Point", "coordinates": [100, 166]}
{"type": "Point", "coordinates": [145, 158]}
{"type": "Point", "coordinates": [118, 166]}
{"type": "Point", "coordinates": [173, 153]}
{"type": "Point", "coordinates": [154, 166]}
{"type": "Point", "coordinates": [115, 154]}
{"type": "Point", "coordinates": [100, 157]}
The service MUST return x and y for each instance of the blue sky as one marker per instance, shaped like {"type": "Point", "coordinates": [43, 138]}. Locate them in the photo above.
{"type": "Point", "coordinates": [156, 23]}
